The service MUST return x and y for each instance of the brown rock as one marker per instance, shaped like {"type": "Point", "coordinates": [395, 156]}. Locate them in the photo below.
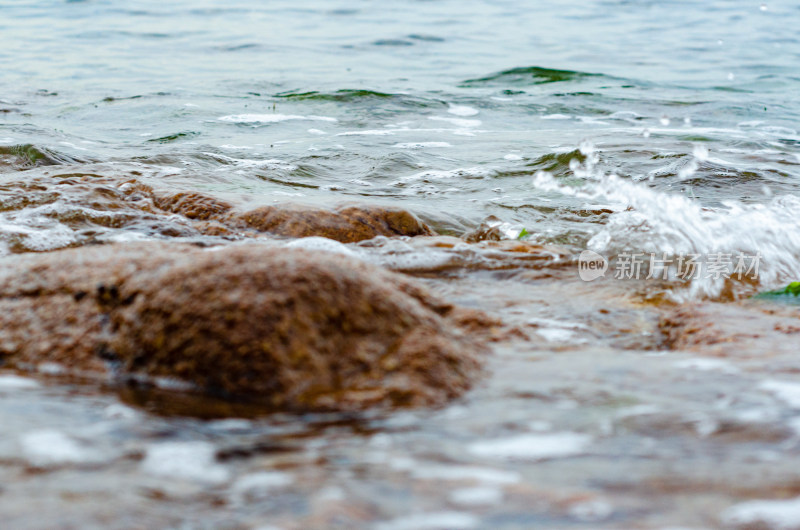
{"type": "Point", "coordinates": [347, 224]}
{"type": "Point", "coordinates": [289, 328]}
{"type": "Point", "coordinates": [193, 205]}
{"type": "Point", "coordinates": [745, 329]}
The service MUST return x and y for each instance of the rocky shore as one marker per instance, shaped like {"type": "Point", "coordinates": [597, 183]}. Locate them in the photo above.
{"type": "Point", "coordinates": [286, 327]}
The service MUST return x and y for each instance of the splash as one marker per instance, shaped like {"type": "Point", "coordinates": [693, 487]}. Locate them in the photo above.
{"type": "Point", "coordinates": [649, 221]}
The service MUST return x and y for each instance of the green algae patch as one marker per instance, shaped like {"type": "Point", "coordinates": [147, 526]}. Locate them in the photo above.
{"type": "Point", "coordinates": [789, 294]}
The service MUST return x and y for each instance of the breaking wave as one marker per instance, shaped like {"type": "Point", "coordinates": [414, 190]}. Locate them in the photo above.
{"type": "Point", "coordinates": [651, 222]}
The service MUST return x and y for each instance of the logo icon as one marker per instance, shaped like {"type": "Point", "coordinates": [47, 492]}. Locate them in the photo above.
{"type": "Point", "coordinates": [591, 265]}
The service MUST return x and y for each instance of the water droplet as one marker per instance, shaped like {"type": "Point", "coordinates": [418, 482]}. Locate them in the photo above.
{"type": "Point", "coordinates": [731, 77]}
{"type": "Point", "coordinates": [687, 120]}
{"type": "Point", "coordinates": [700, 152]}
{"type": "Point", "coordinates": [763, 7]}
{"type": "Point", "coordinates": [646, 133]}
{"type": "Point", "coordinates": [688, 170]}
{"type": "Point", "coordinates": [586, 148]}
{"type": "Point", "coordinates": [664, 121]}
{"type": "Point", "coordinates": [720, 42]}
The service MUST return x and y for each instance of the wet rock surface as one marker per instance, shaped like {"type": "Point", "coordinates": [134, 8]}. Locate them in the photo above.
{"type": "Point", "coordinates": [585, 419]}
{"type": "Point", "coordinates": [743, 329]}
{"type": "Point", "coordinates": [603, 405]}
{"type": "Point", "coordinates": [289, 328]}
{"type": "Point", "coordinates": [345, 224]}
{"type": "Point", "coordinates": [73, 209]}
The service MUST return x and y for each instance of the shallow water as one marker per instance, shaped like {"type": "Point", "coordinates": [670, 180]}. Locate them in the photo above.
{"type": "Point", "coordinates": [615, 126]}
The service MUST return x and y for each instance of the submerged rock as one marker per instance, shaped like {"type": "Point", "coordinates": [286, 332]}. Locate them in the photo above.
{"type": "Point", "coordinates": [73, 209]}
{"type": "Point", "coordinates": [343, 223]}
{"type": "Point", "coordinates": [347, 224]}
{"type": "Point", "coordinates": [746, 329]}
{"type": "Point", "coordinates": [286, 327]}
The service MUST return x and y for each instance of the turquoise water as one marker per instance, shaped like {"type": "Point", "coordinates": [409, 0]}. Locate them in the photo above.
{"type": "Point", "coordinates": [446, 108]}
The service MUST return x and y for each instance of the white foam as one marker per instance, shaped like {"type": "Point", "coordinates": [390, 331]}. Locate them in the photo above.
{"type": "Point", "coordinates": [322, 244]}
{"type": "Point", "coordinates": [272, 118]}
{"type": "Point", "coordinates": [462, 110]}
{"type": "Point", "coordinates": [556, 334]}
{"type": "Point", "coordinates": [52, 448]}
{"type": "Point", "coordinates": [38, 233]}
{"type": "Point", "coordinates": [512, 157]}
{"type": "Point", "coordinates": [480, 496]}
{"type": "Point", "coordinates": [533, 446]}
{"type": "Point", "coordinates": [272, 163]}
{"type": "Point", "coordinates": [786, 391]}
{"type": "Point", "coordinates": [469, 172]}
{"type": "Point", "coordinates": [431, 521]}
{"type": "Point", "coordinates": [190, 461]}
{"type": "Point", "coordinates": [778, 515]}
{"type": "Point", "coordinates": [51, 368]}
{"type": "Point", "coordinates": [649, 221]}
{"type": "Point", "coordinates": [231, 425]}
{"type": "Point", "coordinates": [759, 415]}
{"type": "Point", "coordinates": [591, 511]}
{"type": "Point", "coordinates": [10, 382]}
{"type": "Point", "coordinates": [557, 330]}
{"type": "Point", "coordinates": [707, 365]}
{"type": "Point", "coordinates": [421, 145]}
{"type": "Point", "coordinates": [551, 322]}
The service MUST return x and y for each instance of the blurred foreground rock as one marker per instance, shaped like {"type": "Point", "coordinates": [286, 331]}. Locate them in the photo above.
{"type": "Point", "coordinates": [289, 328]}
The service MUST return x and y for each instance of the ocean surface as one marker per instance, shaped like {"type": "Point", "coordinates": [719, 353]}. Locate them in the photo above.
{"type": "Point", "coordinates": [616, 126]}
{"type": "Point", "coordinates": [445, 108]}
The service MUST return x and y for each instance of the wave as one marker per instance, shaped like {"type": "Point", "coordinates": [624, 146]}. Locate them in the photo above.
{"type": "Point", "coordinates": [654, 222]}
{"type": "Point", "coordinates": [529, 75]}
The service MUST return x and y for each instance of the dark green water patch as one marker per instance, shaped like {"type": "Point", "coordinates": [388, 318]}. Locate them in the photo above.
{"type": "Point", "coordinates": [529, 75]}
{"type": "Point", "coordinates": [28, 156]}
{"type": "Point", "coordinates": [694, 138]}
{"type": "Point", "coordinates": [339, 95]}
{"type": "Point", "coordinates": [353, 96]}
{"type": "Point", "coordinates": [557, 163]}
{"type": "Point", "coordinates": [174, 137]}
{"type": "Point", "coordinates": [111, 99]}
